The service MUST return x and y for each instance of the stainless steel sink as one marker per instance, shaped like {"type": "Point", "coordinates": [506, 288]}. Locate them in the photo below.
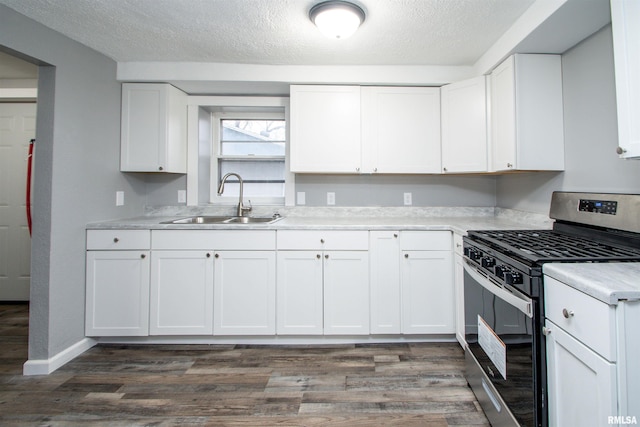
{"type": "Point", "coordinates": [224, 220]}
{"type": "Point", "coordinates": [199, 220]}
{"type": "Point", "coordinates": [251, 220]}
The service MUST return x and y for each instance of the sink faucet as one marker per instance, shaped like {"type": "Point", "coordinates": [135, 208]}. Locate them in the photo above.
{"type": "Point", "coordinates": [241, 208]}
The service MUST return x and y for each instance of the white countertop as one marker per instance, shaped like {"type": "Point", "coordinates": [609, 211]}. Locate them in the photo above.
{"type": "Point", "coordinates": [457, 224]}
{"type": "Point", "coordinates": [607, 282]}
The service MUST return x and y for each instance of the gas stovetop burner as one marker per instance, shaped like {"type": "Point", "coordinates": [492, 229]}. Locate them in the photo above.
{"type": "Point", "coordinates": [550, 245]}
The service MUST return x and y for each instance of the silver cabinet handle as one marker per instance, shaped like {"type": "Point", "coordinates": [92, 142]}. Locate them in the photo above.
{"type": "Point", "coordinates": [326, 256]}
{"type": "Point", "coordinates": [567, 313]}
{"type": "Point", "coordinates": [321, 240]}
{"type": "Point", "coordinates": [143, 256]}
{"type": "Point", "coordinates": [620, 150]}
{"type": "Point", "coordinates": [406, 255]}
{"type": "Point", "coordinates": [509, 165]}
{"type": "Point", "coordinates": [116, 240]}
{"type": "Point", "coordinates": [546, 331]}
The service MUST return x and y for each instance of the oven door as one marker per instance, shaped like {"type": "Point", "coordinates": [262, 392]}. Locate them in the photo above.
{"type": "Point", "coordinates": [499, 332]}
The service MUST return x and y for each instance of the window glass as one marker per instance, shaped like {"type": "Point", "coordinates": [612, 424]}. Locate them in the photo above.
{"type": "Point", "coordinates": [254, 149]}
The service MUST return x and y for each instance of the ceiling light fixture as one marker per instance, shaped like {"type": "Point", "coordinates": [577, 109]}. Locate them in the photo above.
{"type": "Point", "coordinates": [337, 19]}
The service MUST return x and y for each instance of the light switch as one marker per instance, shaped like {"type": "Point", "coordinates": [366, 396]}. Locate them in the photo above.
{"type": "Point", "coordinates": [182, 196]}
{"type": "Point", "coordinates": [119, 198]}
{"type": "Point", "coordinates": [407, 199]}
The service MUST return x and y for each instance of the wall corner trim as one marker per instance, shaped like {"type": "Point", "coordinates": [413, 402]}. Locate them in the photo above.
{"type": "Point", "coordinates": [47, 366]}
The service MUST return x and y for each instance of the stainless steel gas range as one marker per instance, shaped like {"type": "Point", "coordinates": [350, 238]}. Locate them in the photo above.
{"type": "Point", "coordinates": [504, 296]}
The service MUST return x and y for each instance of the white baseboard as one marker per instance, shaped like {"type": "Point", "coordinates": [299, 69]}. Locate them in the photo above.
{"type": "Point", "coordinates": [47, 366]}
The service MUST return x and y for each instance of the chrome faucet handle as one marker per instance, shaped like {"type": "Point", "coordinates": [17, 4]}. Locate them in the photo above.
{"type": "Point", "coordinates": [247, 209]}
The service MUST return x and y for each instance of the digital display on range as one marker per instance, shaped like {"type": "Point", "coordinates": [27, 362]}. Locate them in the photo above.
{"type": "Point", "coordinates": [607, 207]}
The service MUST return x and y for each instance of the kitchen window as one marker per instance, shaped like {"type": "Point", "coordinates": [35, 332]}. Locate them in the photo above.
{"type": "Point", "coordinates": [252, 145]}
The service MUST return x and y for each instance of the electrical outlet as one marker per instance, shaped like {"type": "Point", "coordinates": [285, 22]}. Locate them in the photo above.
{"type": "Point", "coordinates": [407, 199]}
{"type": "Point", "coordinates": [119, 198]}
{"type": "Point", "coordinates": [182, 196]}
{"type": "Point", "coordinates": [301, 197]}
{"type": "Point", "coordinates": [331, 198]}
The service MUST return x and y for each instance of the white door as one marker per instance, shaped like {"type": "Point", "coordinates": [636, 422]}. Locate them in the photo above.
{"type": "Point", "coordinates": [400, 129]}
{"type": "Point", "coordinates": [581, 384]}
{"type": "Point", "coordinates": [427, 292]}
{"type": "Point", "coordinates": [245, 293]}
{"type": "Point", "coordinates": [181, 301]}
{"type": "Point", "coordinates": [117, 293]}
{"type": "Point", "coordinates": [346, 293]}
{"type": "Point", "coordinates": [384, 261]}
{"type": "Point", "coordinates": [17, 127]}
{"type": "Point", "coordinates": [299, 293]}
{"type": "Point", "coordinates": [325, 129]}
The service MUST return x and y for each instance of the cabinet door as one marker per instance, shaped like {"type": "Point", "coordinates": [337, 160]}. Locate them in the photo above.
{"type": "Point", "coordinates": [427, 292]}
{"type": "Point", "coordinates": [527, 121]}
{"type": "Point", "coordinates": [503, 116]}
{"type": "Point", "coordinates": [245, 293]}
{"type": "Point", "coordinates": [625, 15]}
{"type": "Point", "coordinates": [154, 128]}
{"type": "Point", "coordinates": [464, 126]}
{"type": "Point", "coordinates": [458, 280]}
{"type": "Point", "coordinates": [384, 262]}
{"type": "Point", "coordinates": [325, 129]}
{"type": "Point", "coordinates": [346, 293]}
{"type": "Point", "coordinates": [299, 293]}
{"type": "Point", "coordinates": [181, 293]}
{"type": "Point", "coordinates": [400, 130]}
{"type": "Point", "coordinates": [581, 384]}
{"type": "Point", "coordinates": [117, 299]}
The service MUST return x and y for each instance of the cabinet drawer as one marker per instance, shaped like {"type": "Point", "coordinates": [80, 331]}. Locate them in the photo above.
{"type": "Point", "coordinates": [323, 239]}
{"type": "Point", "coordinates": [589, 320]}
{"type": "Point", "coordinates": [457, 244]}
{"type": "Point", "coordinates": [118, 239]}
{"type": "Point", "coordinates": [214, 239]}
{"type": "Point", "coordinates": [425, 241]}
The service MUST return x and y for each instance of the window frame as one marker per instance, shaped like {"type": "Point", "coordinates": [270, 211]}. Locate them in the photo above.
{"type": "Point", "coordinates": [216, 149]}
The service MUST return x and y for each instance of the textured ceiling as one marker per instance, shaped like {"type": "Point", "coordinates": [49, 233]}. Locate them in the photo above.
{"type": "Point", "coordinates": [395, 32]}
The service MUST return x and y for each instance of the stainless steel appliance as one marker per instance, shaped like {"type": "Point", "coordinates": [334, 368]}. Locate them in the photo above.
{"type": "Point", "coordinates": [504, 296]}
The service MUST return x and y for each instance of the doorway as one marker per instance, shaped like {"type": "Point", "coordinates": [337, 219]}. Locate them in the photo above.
{"type": "Point", "coordinates": [18, 80]}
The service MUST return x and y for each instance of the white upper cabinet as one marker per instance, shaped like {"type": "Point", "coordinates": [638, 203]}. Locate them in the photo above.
{"type": "Point", "coordinates": [625, 15]}
{"type": "Point", "coordinates": [400, 129]}
{"type": "Point", "coordinates": [154, 128]}
{"type": "Point", "coordinates": [352, 129]}
{"type": "Point", "coordinates": [464, 126]}
{"type": "Point", "coordinates": [325, 129]}
{"type": "Point", "coordinates": [527, 131]}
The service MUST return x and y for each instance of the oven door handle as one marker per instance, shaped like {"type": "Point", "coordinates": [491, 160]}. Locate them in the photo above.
{"type": "Point", "coordinates": [522, 304]}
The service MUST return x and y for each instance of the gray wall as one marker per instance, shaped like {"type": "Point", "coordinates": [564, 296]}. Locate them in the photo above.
{"type": "Point", "coordinates": [76, 173]}
{"type": "Point", "coordinates": [590, 135]}
{"type": "Point", "coordinates": [388, 190]}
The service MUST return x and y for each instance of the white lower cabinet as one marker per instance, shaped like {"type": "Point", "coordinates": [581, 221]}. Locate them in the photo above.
{"type": "Point", "coordinates": [426, 270]}
{"type": "Point", "coordinates": [592, 358]}
{"type": "Point", "coordinates": [458, 285]}
{"type": "Point", "coordinates": [117, 283]}
{"type": "Point", "coordinates": [323, 292]}
{"type": "Point", "coordinates": [384, 282]}
{"type": "Point", "coordinates": [181, 293]}
{"type": "Point", "coordinates": [346, 293]}
{"type": "Point", "coordinates": [117, 293]}
{"type": "Point", "coordinates": [300, 293]}
{"type": "Point", "coordinates": [581, 384]}
{"type": "Point", "coordinates": [323, 282]}
{"type": "Point", "coordinates": [244, 293]}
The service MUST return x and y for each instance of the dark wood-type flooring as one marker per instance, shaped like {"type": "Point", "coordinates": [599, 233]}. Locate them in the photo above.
{"type": "Point", "coordinates": [232, 385]}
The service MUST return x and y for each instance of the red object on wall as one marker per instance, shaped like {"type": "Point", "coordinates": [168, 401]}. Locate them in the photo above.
{"type": "Point", "coordinates": [28, 198]}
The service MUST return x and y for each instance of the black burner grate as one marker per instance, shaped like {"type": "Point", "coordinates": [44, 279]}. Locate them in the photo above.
{"type": "Point", "coordinates": [550, 245]}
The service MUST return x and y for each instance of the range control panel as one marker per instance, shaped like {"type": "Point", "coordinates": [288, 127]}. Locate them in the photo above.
{"type": "Point", "coordinates": [598, 206]}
